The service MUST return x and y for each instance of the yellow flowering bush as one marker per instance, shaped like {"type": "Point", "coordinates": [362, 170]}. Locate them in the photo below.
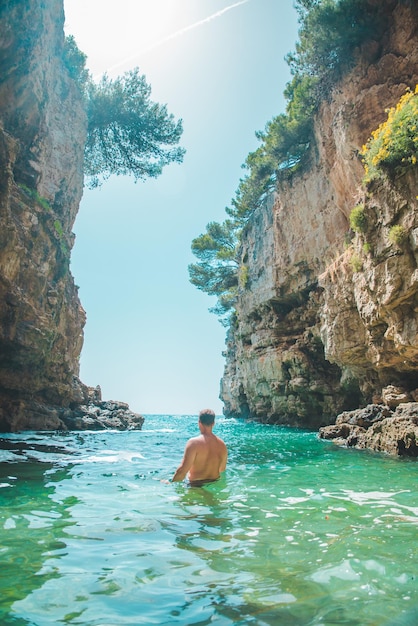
{"type": "Point", "coordinates": [394, 145]}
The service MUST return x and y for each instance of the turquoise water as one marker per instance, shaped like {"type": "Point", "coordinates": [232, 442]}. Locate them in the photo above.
{"type": "Point", "coordinates": [297, 532]}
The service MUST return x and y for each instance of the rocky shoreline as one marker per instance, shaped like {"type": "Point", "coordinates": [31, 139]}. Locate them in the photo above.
{"type": "Point", "coordinates": [94, 414]}
{"type": "Point", "coordinates": [390, 427]}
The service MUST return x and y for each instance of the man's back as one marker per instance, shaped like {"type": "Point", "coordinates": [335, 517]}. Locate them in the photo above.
{"type": "Point", "coordinates": [209, 457]}
{"type": "Point", "coordinates": [204, 456]}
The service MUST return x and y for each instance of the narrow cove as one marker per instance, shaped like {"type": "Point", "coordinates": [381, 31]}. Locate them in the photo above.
{"type": "Point", "coordinates": [297, 532]}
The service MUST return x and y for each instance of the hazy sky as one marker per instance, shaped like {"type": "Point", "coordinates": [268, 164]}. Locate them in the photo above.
{"type": "Point", "coordinates": [219, 65]}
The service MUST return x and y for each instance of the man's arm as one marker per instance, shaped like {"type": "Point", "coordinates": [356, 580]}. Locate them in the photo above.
{"type": "Point", "coordinates": [224, 460]}
{"type": "Point", "coordinates": [187, 462]}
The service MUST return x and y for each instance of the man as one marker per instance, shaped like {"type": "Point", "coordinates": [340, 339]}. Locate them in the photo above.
{"type": "Point", "coordinates": [205, 456]}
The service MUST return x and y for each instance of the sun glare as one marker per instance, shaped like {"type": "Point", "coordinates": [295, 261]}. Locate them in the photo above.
{"type": "Point", "coordinates": [120, 30]}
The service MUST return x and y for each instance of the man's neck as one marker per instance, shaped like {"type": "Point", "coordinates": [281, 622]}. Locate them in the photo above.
{"type": "Point", "coordinates": [205, 430]}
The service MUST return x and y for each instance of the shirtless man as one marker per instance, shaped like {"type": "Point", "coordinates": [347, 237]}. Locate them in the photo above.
{"type": "Point", "coordinates": [205, 456]}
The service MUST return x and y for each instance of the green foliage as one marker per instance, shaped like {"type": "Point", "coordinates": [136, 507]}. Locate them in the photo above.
{"type": "Point", "coordinates": [330, 34]}
{"type": "Point", "coordinates": [347, 240]}
{"type": "Point", "coordinates": [367, 248]}
{"type": "Point", "coordinates": [397, 235]}
{"type": "Point", "coordinates": [284, 142]}
{"type": "Point", "coordinates": [75, 62]}
{"type": "Point", "coordinates": [127, 132]}
{"type": "Point", "coordinates": [32, 193]}
{"type": "Point", "coordinates": [394, 145]}
{"type": "Point", "coordinates": [356, 263]}
{"type": "Point", "coordinates": [244, 274]}
{"type": "Point", "coordinates": [254, 187]}
{"type": "Point", "coordinates": [358, 219]}
{"type": "Point", "coordinates": [216, 272]}
{"type": "Point", "coordinates": [58, 228]}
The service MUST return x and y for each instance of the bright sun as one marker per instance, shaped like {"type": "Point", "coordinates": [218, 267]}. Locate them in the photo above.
{"type": "Point", "coordinates": [109, 31]}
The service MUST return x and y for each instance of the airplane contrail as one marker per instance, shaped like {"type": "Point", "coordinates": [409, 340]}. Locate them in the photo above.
{"type": "Point", "coordinates": [178, 33]}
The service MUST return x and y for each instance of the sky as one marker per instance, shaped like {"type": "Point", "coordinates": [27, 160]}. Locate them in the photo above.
{"type": "Point", "coordinates": [219, 66]}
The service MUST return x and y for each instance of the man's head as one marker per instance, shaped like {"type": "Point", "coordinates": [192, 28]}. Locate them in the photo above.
{"type": "Point", "coordinates": [207, 417]}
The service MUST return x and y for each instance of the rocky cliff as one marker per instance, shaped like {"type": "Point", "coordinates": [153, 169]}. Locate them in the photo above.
{"type": "Point", "coordinates": [42, 138]}
{"type": "Point", "coordinates": [315, 332]}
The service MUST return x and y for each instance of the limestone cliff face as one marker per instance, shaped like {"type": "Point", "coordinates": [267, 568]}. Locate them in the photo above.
{"type": "Point", "coordinates": [313, 337]}
{"type": "Point", "coordinates": [42, 128]}
{"type": "Point", "coordinates": [368, 316]}
{"type": "Point", "coordinates": [42, 138]}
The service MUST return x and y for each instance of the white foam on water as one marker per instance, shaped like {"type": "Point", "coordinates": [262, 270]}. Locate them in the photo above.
{"type": "Point", "coordinates": [111, 456]}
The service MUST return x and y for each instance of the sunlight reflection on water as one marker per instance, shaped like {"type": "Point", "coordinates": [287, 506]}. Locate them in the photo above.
{"type": "Point", "coordinates": [294, 533]}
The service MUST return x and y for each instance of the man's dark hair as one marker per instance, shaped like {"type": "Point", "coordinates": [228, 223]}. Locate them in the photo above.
{"type": "Point", "coordinates": [207, 417]}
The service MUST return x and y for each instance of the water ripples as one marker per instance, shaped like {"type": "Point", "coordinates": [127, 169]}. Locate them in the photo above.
{"type": "Point", "coordinates": [298, 532]}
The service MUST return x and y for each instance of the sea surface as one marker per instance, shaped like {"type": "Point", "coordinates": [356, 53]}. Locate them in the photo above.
{"type": "Point", "coordinates": [297, 531]}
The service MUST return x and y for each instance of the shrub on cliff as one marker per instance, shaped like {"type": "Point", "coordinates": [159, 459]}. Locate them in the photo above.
{"type": "Point", "coordinates": [75, 62]}
{"type": "Point", "coordinates": [393, 147]}
{"type": "Point", "coordinates": [358, 219]}
{"type": "Point", "coordinates": [398, 235]}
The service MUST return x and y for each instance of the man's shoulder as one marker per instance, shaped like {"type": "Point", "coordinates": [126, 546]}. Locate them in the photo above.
{"type": "Point", "coordinates": [194, 440]}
